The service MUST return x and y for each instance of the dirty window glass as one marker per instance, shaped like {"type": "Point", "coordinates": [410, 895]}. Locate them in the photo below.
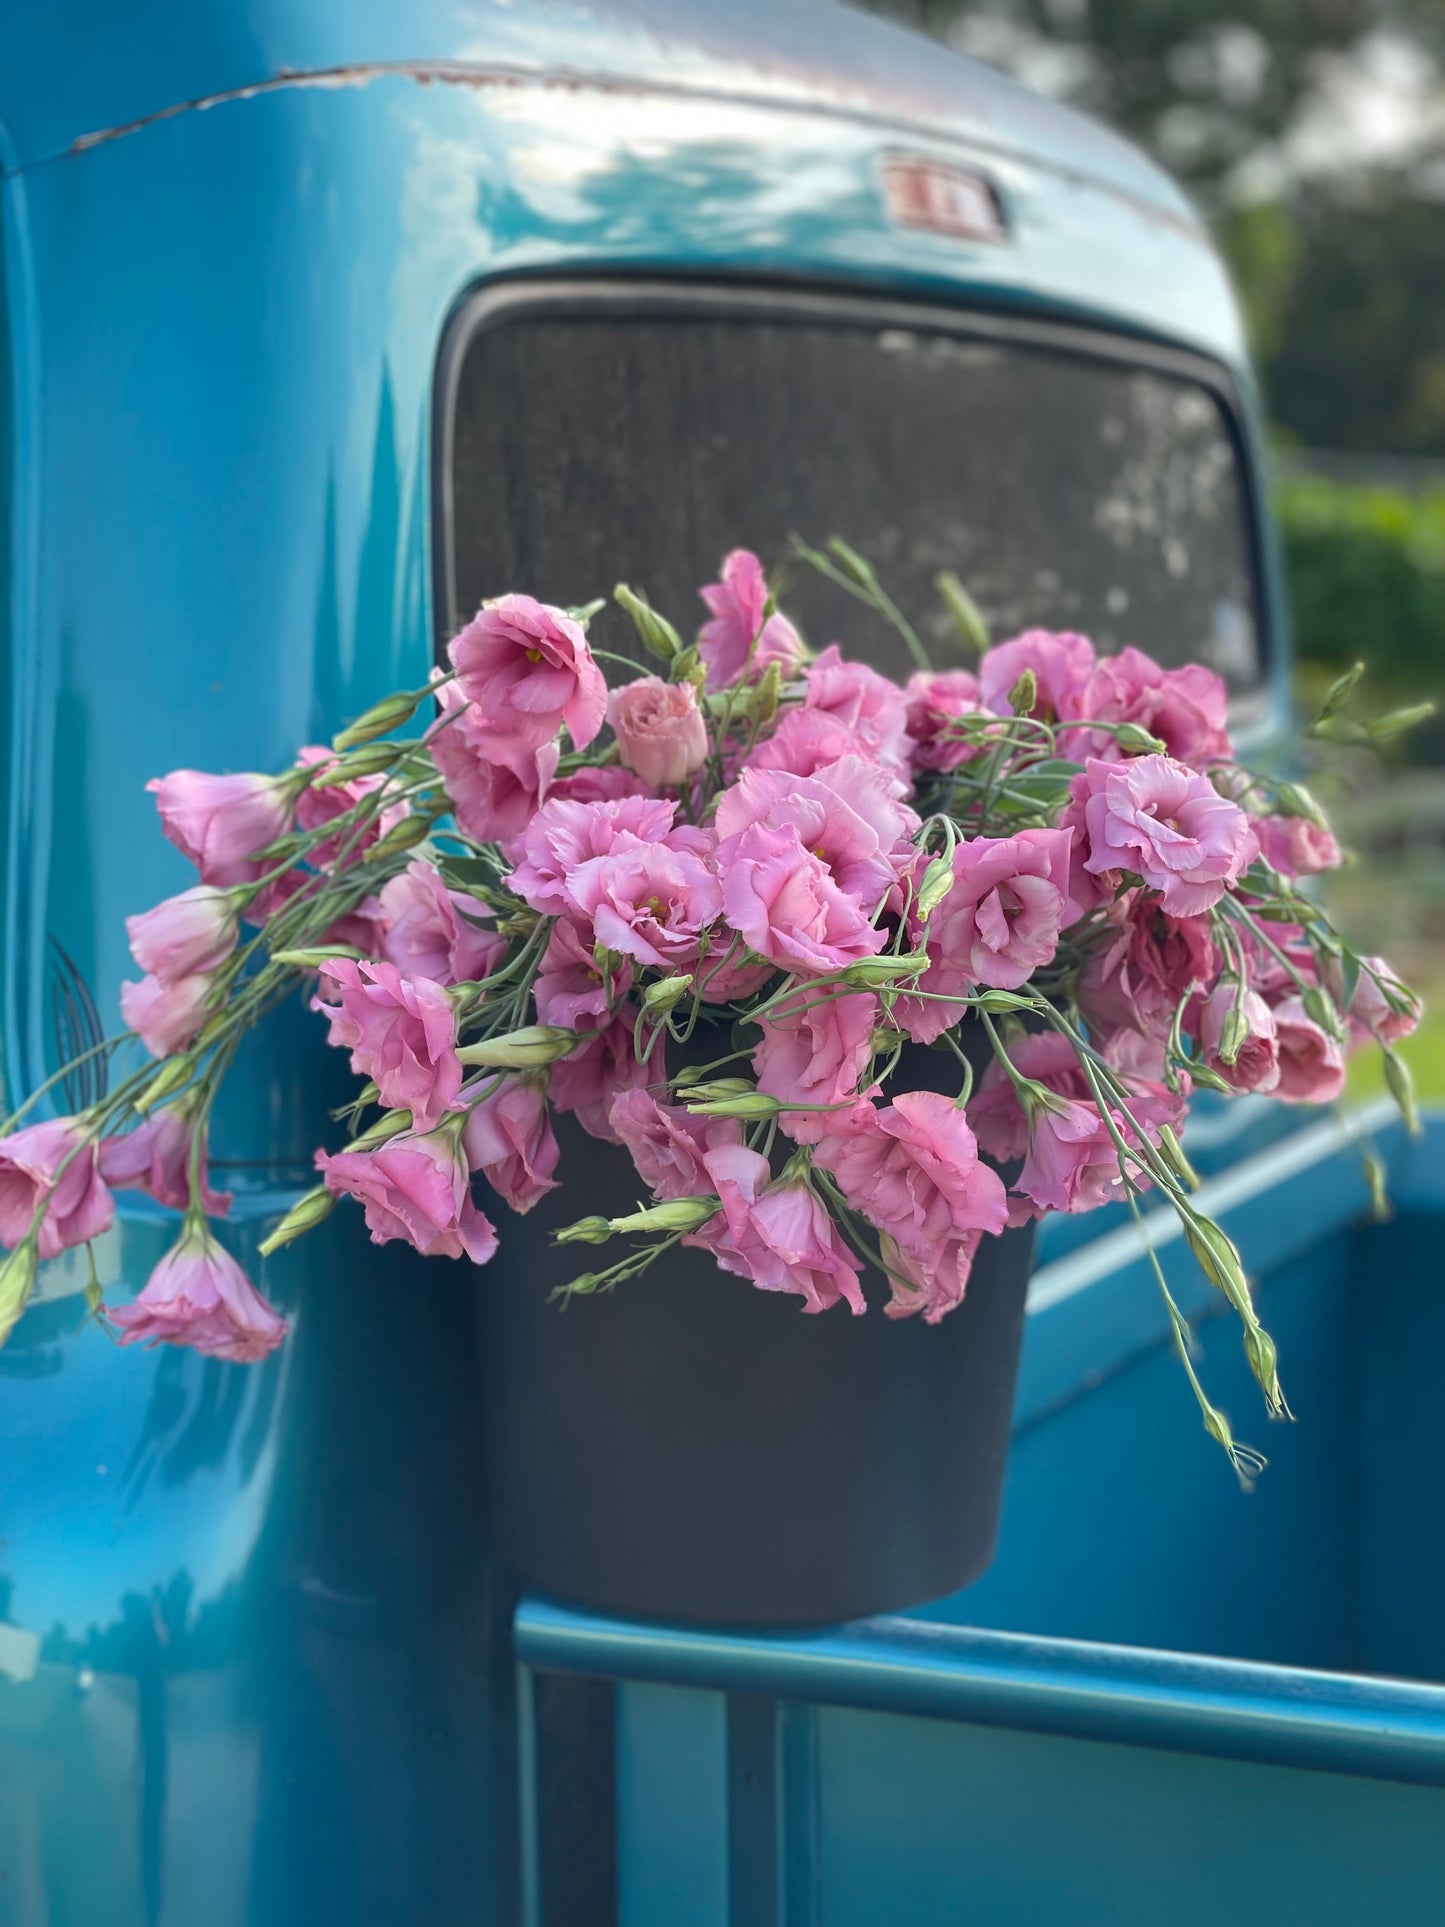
{"type": "Point", "coordinates": [1067, 491]}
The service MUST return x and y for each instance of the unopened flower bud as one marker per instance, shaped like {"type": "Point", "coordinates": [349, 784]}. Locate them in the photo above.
{"type": "Point", "coordinates": [1340, 692]}
{"type": "Point", "coordinates": [527, 1049]}
{"type": "Point", "coordinates": [660, 997]}
{"type": "Point", "coordinates": [1259, 1349]}
{"type": "Point", "coordinates": [402, 837]}
{"type": "Point", "coordinates": [1398, 720]}
{"type": "Point", "coordinates": [172, 1075]}
{"type": "Point", "coordinates": [1376, 1176]}
{"type": "Point", "coordinates": [1172, 1152]}
{"type": "Point", "coordinates": [313, 957]}
{"type": "Point", "coordinates": [369, 760]}
{"type": "Point", "coordinates": [656, 632]}
{"type": "Point", "coordinates": [763, 699]}
{"type": "Point", "coordinates": [1139, 742]}
{"type": "Point", "coordinates": [1233, 1034]}
{"type": "Point", "coordinates": [1402, 1089]}
{"type": "Point", "coordinates": [967, 618]}
{"type": "Point", "coordinates": [586, 1231]}
{"type": "Point", "coordinates": [675, 1214]}
{"type": "Point", "coordinates": [1220, 1261]}
{"type": "Point", "coordinates": [390, 713]}
{"type": "Point", "coordinates": [1001, 1002]}
{"type": "Point", "coordinates": [1293, 799]}
{"type": "Point", "coordinates": [304, 1215]}
{"type": "Point", "coordinates": [1024, 694]}
{"type": "Point", "coordinates": [17, 1281]}
{"type": "Point", "coordinates": [869, 972]}
{"type": "Point", "coordinates": [747, 1103]}
{"type": "Point", "coordinates": [1321, 1007]}
{"type": "Point", "coordinates": [937, 882]}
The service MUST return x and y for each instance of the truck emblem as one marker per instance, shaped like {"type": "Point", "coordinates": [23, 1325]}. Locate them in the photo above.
{"type": "Point", "coordinates": [941, 199]}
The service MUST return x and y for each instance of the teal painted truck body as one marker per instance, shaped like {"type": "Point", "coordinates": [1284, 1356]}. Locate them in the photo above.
{"type": "Point", "coordinates": [256, 1664]}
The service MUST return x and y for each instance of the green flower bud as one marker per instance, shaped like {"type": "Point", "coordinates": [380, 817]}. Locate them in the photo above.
{"type": "Point", "coordinates": [675, 1214]}
{"type": "Point", "coordinates": [1398, 721]}
{"type": "Point", "coordinates": [967, 619]}
{"type": "Point", "coordinates": [17, 1281]}
{"type": "Point", "coordinates": [1024, 694]}
{"type": "Point", "coordinates": [316, 955]}
{"type": "Point", "coordinates": [937, 882]}
{"type": "Point", "coordinates": [1293, 799]}
{"type": "Point", "coordinates": [656, 633]}
{"type": "Point", "coordinates": [175, 1073]}
{"type": "Point", "coordinates": [527, 1049]}
{"type": "Point", "coordinates": [1172, 1151]}
{"type": "Point", "coordinates": [870, 972]}
{"type": "Point", "coordinates": [1340, 692]}
{"type": "Point", "coordinates": [1001, 1002]}
{"type": "Point", "coordinates": [586, 1231]}
{"type": "Point", "coordinates": [304, 1215]}
{"type": "Point", "coordinates": [1139, 742]}
{"type": "Point", "coordinates": [1233, 1035]}
{"type": "Point", "coordinates": [1402, 1089]}
{"type": "Point", "coordinates": [660, 997]}
{"type": "Point", "coordinates": [749, 1103]}
{"type": "Point", "coordinates": [1259, 1349]}
{"type": "Point", "coordinates": [763, 699]}
{"type": "Point", "coordinates": [1377, 1178]}
{"type": "Point", "coordinates": [383, 717]}
{"type": "Point", "coordinates": [1220, 1262]}
{"type": "Point", "coordinates": [403, 836]}
{"type": "Point", "coordinates": [369, 760]}
{"type": "Point", "coordinates": [717, 1087]}
{"type": "Point", "coordinates": [1321, 1007]}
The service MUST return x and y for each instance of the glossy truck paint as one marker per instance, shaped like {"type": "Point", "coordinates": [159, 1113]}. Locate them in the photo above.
{"type": "Point", "coordinates": [254, 1661]}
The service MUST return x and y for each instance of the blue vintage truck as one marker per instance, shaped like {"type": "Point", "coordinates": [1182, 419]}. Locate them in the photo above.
{"type": "Point", "coordinates": [317, 324]}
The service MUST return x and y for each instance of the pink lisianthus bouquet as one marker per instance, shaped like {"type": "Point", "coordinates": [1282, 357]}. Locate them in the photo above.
{"type": "Point", "coordinates": [719, 914]}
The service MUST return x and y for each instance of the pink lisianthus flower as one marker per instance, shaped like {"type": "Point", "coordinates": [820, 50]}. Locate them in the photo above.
{"type": "Point", "coordinates": [528, 669]}
{"type": "Point", "coordinates": [594, 783]}
{"type": "Point", "coordinates": [998, 924]}
{"type": "Point", "coordinates": [936, 700]}
{"type": "Point", "coordinates": [315, 808]}
{"type": "Point", "coordinates": [670, 1147]}
{"type": "Point", "coordinates": [156, 1158]}
{"type": "Point", "coordinates": [779, 1237]}
{"type": "Point", "coordinates": [1256, 1063]}
{"type": "Point", "coordinates": [1062, 664]}
{"type": "Point", "coordinates": [1187, 709]}
{"type": "Point", "coordinates": [1371, 1013]}
{"type": "Point", "coordinates": [815, 1050]}
{"type": "Point", "coordinates": [198, 1296]}
{"type": "Point", "coordinates": [648, 901]}
{"type": "Point", "coordinates": [847, 814]}
{"type": "Point", "coordinates": [1311, 1063]}
{"type": "Point", "coordinates": [363, 928]}
{"type": "Point", "coordinates": [588, 1083]}
{"type": "Point", "coordinates": [416, 1189]}
{"type": "Point", "coordinates": [166, 1016]}
{"type": "Point", "coordinates": [868, 705]}
{"type": "Point", "coordinates": [495, 790]}
{"type": "Point", "coordinates": [220, 822]}
{"type": "Point", "coordinates": [782, 900]}
{"type": "Point", "coordinates": [660, 730]}
{"type": "Point", "coordinates": [726, 973]}
{"type": "Point", "coordinates": [913, 1170]}
{"type": "Point", "coordinates": [1139, 976]}
{"type": "Point", "coordinates": [934, 1289]}
{"type": "Point", "coordinates": [186, 934]}
{"type": "Point", "coordinates": [741, 640]}
{"type": "Point", "coordinates": [805, 741]}
{"type": "Point", "coordinates": [51, 1164]}
{"type": "Point", "coordinates": [1295, 847]}
{"type": "Point", "coordinates": [433, 932]}
{"type": "Point", "coordinates": [401, 1031]}
{"type": "Point", "coordinates": [508, 1137]}
{"type": "Point", "coordinates": [569, 990]}
{"type": "Point", "coordinates": [1168, 825]}
{"type": "Point", "coordinates": [1071, 1162]}
{"type": "Point", "coordinates": [563, 835]}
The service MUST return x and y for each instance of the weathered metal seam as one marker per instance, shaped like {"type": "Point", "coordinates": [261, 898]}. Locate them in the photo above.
{"type": "Point", "coordinates": [458, 74]}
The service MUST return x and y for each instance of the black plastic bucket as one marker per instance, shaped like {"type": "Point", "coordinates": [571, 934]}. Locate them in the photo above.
{"type": "Point", "coordinates": [688, 1447]}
